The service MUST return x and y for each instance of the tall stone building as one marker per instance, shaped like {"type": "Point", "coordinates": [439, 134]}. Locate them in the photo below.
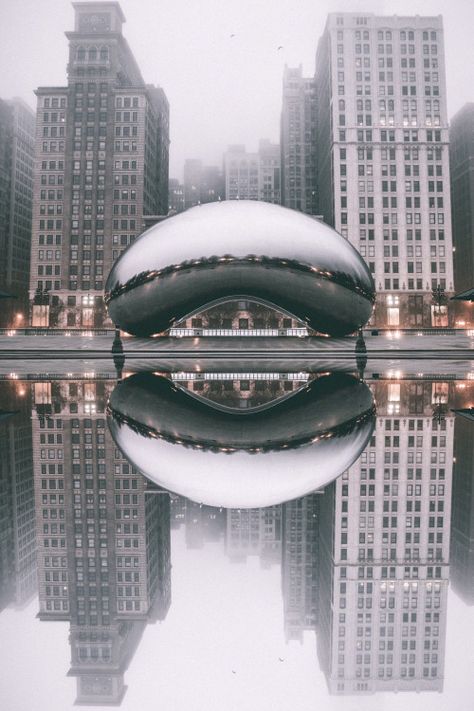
{"type": "Point", "coordinates": [17, 140]}
{"type": "Point", "coordinates": [383, 164]}
{"type": "Point", "coordinates": [102, 164]}
{"type": "Point", "coordinates": [461, 152]}
{"type": "Point", "coordinates": [384, 550]}
{"type": "Point", "coordinates": [253, 176]}
{"type": "Point", "coordinates": [298, 142]}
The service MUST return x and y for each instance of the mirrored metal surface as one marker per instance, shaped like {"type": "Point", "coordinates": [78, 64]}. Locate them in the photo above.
{"type": "Point", "coordinates": [252, 250]}
{"type": "Point", "coordinates": [221, 456]}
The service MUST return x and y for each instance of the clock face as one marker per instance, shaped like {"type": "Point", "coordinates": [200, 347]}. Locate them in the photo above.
{"type": "Point", "coordinates": [95, 23]}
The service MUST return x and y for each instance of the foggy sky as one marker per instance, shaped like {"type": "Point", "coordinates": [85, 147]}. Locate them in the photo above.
{"type": "Point", "coordinates": [221, 90]}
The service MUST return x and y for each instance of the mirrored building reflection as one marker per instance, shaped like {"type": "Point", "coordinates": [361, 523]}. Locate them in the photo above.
{"type": "Point", "coordinates": [384, 546]}
{"type": "Point", "coordinates": [17, 503]}
{"type": "Point", "coordinates": [254, 532]}
{"type": "Point", "coordinates": [364, 561]}
{"type": "Point", "coordinates": [103, 538]}
{"type": "Point", "coordinates": [300, 572]}
{"type": "Point", "coordinates": [462, 520]}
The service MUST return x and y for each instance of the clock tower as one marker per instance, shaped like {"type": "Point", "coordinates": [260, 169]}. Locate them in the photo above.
{"type": "Point", "coordinates": [98, 17]}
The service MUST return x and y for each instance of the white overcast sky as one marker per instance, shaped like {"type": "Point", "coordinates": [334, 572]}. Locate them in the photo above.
{"type": "Point", "coordinates": [221, 90]}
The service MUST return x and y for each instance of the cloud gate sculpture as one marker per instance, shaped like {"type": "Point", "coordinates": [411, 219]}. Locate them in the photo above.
{"type": "Point", "coordinates": [240, 250]}
{"type": "Point", "coordinates": [241, 459]}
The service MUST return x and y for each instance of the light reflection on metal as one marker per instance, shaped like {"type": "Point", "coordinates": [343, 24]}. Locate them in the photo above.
{"type": "Point", "coordinates": [275, 453]}
{"type": "Point", "coordinates": [303, 268]}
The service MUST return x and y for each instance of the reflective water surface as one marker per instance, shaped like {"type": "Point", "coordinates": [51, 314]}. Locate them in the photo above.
{"type": "Point", "coordinates": [116, 590]}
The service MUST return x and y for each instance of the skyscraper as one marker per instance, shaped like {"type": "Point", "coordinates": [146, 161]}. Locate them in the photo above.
{"type": "Point", "coordinates": [298, 142]}
{"type": "Point", "coordinates": [17, 137]}
{"type": "Point", "coordinates": [102, 163]}
{"type": "Point", "coordinates": [383, 164]}
{"type": "Point", "coordinates": [461, 153]}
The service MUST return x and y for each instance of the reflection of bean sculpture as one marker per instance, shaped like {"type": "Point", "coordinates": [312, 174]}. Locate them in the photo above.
{"type": "Point", "coordinates": [240, 250]}
{"type": "Point", "coordinates": [276, 453]}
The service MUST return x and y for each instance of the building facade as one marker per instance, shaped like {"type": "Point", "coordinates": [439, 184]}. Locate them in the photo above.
{"type": "Point", "coordinates": [461, 151]}
{"type": "Point", "coordinates": [298, 142]}
{"type": "Point", "coordinates": [102, 146]}
{"type": "Point", "coordinates": [17, 141]}
{"type": "Point", "coordinates": [383, 163]}
{"type": "Point", "coordinates": [253, 176]}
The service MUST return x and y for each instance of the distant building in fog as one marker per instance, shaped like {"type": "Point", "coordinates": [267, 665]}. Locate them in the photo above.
{"type": "Point", "coordinates": [212, 184]}
{"type": "Point", "coordinates": [192, 182]}
{"type": "Point", "coordinates": [253, 176]}
{"type": "Point", "coordinates": [202, 183]}
{"type": "Point", "coordinates": [254, 532]}
{"type": "Point", "coordinates": [461, 152]}
{"type": "Point", "coordinates": [175, 195]}
{"type": "Point", "coordinates": [298, 142]}
{"type": "Point", "coordinates": [17, 141]}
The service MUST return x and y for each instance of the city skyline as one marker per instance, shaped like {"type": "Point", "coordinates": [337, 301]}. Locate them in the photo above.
{"type": "Point", "coordinates": [249, 62]}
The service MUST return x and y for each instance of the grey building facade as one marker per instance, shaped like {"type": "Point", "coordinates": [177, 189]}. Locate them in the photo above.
{"type": "Point", "coordinates": [101, 164]}
{"type": "Point", "coordinates": [383, 164]}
